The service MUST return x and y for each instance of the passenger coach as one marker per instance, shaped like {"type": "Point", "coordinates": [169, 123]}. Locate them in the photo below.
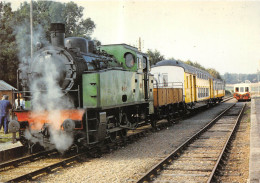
{"type": "Point", "coordinates": [192, 86]}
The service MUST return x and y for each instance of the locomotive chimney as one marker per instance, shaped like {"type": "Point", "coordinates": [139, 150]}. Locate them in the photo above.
{"type": "Point", "coordinates": [57, 34]}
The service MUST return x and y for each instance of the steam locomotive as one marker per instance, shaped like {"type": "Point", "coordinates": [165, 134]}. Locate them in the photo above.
{"type": "Point", "coordinates": [80, 94]}
{"type": "Point", "coordinates": [74, 89]}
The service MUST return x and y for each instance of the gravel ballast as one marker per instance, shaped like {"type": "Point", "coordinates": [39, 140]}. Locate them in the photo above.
{"type": "Point", "coordinates": [130, 163]}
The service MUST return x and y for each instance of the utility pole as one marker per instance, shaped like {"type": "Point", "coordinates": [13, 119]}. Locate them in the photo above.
{"type": "Point", "coordinates": [31, 26]}
{"type": "Point", "coordinates": [140, 44]}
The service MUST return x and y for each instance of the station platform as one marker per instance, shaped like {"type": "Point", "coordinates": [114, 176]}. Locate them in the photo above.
{"type": "Point", "coordinates": [254, 160]}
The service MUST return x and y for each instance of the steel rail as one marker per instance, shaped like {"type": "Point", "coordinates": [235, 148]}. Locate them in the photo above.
{"type": "Point", "coordinates": [15, 162]}
{"type": "Point", "coordinates": [160, 166]}
{"type": "Point", "coordinates": [30, 175]}
{"type": "Point", "coordinates": [50, 167]}
{"type": "Point", "coordinates": [212, 175]}
{"type": "Point", "coordinates": [227, 98]}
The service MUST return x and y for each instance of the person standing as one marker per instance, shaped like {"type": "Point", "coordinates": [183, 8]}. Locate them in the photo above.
{"type": "Point", "coordinates": [5, 105]}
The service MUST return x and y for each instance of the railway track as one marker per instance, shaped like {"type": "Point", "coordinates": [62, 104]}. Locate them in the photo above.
{"type": "Point", "coordinates": [28, 167]}
{"type": "Point", "coordinates": [198, 159]}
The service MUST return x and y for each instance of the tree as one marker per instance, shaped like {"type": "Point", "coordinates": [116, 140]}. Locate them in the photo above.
{"type": "Point", "coordinates": [211, 71]}
{"type": "Point", "coordinates": [214, 73]}
{"type": "Point", "coordinates": [154, 56]}
{"type": "Point", "coordinates": [8, 56]}
{"type": "Point", "coordinates": [47, 12]}
{"type": "Point", "coordinates": [15, 30]}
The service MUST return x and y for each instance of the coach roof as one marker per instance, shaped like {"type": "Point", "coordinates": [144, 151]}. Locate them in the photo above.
{"type": "Point", "coordinates": [186, 67]}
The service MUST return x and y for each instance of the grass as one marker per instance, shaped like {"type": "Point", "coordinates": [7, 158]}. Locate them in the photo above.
{"type": "Point", "coordinates": [6, 137]}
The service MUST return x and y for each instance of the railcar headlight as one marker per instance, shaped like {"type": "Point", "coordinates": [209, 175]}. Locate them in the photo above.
{"type": "Point", "coordinates": [129, 60]}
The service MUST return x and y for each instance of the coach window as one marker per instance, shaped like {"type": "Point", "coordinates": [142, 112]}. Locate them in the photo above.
{"type": "Point", "coordinates": [247, 89]}
{"type": "Point", "coordinates": [165, 79]}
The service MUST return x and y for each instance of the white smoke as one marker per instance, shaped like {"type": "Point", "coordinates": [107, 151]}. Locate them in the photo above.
{"type": "Point", "coordinates": [46, 92]}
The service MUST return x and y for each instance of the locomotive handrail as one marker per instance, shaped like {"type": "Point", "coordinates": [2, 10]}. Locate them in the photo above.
{"type": "Point", "coordinates": [15, 92]}
{"type": "Point", "coordinates": [169, 85]}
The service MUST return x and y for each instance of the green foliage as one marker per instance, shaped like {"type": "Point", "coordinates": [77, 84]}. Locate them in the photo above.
{"type": "Point", "coordinates": [214, 73]}
{"type": "Point", "coordinates": [211, 71]}
{"type": "Point", "coordinates": [8, 56]}
{"type": "Point", "coordinates": [154, 56]}
{"type": "Point", "coordinates": [15, 30]}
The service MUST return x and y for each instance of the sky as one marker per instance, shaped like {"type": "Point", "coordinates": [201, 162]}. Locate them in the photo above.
{"type": "Point", "coordinates": [224, 35]}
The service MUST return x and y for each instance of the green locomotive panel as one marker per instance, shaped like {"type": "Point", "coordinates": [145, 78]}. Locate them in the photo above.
{"type": "Point", "coordinates": [119, 51]}
{"type": "Point", "coordinates": [112, 88]}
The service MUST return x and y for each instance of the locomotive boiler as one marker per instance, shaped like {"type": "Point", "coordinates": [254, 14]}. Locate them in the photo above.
{"type": "Point", "coordinates": [81, 93]}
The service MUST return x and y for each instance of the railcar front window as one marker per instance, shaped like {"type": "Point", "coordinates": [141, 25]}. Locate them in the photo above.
{"type": "Point", "coordinates": [247, 89]}
{"type": "Point", "coordinates": [237, 89]}
{"type": "Point", "coordinates": [241, 89]}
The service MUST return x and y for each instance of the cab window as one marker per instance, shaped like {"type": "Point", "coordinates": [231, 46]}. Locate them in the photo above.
{"type": "Point", "coordinates": [237, 89]}
{"type": "Point", "coordinates": [241, 89]}
{"type": "Point", "coordinates": [246, 89]}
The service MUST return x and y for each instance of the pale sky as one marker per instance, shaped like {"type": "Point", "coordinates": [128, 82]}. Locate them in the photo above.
{"type": "Point", "coordinates": [224, 35]}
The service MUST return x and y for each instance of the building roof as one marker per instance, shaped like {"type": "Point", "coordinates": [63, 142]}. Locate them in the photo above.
{"type": "Point", "coordinates": [5, 86]}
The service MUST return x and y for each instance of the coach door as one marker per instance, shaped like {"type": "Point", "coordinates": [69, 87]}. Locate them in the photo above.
{"type": "Point", "coordinates": [191, 89]}
{"type": "Point", "coordinates": [194, 88]}
{"type": "Point", "coordinates": [211, 88]}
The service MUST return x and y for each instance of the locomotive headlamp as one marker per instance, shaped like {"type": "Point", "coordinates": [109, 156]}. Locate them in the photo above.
{"type": "Point", "coordinates": [68, 125]}
{"type": "Point", "coordinates": [38, 45]}
{"type": "Point", "coordinates": [129, 60]}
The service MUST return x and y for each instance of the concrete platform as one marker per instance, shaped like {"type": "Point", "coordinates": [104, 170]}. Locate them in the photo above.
{"type": "Point", "coordinates": [254, 161]}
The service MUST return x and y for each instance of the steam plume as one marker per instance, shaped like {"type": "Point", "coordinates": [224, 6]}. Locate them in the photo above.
{"type": "Point", "coordinates": [46, 92]}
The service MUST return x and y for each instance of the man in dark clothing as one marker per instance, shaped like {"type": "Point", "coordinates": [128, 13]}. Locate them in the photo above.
{"type": "Point", "coordinates": [5, 105]}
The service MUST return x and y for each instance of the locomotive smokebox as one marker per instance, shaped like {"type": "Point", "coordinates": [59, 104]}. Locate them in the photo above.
{"type": "Point", "coordinates": [58, 34]}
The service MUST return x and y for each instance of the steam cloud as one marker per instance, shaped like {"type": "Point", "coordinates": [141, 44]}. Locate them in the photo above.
{"type": "Point", "coordinates": [46, 92]}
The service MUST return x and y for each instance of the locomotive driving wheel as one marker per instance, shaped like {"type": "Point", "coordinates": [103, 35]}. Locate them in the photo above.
{"type": "Point", "coordinates": [112, 136]}
{"type": "Point", "coordinates": [111, 124]}
{"type": "Point", "coordinates": [124, 122]}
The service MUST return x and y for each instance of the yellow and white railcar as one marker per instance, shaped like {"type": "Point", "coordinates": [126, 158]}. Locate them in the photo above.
{"type": "Point", "coordinates": [242, 91]}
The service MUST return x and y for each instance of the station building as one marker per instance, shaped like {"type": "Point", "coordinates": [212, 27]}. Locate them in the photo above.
{"type": "Point", "coordinates": [6, 89]}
